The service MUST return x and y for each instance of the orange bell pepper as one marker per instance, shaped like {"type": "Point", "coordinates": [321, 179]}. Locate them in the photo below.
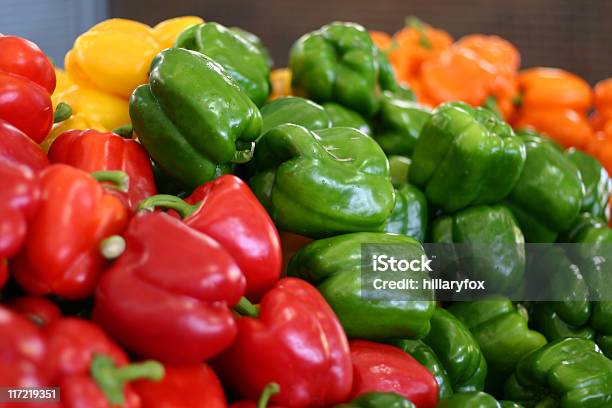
{"type": "Point", "coordinates": [382, 40]}
{"type": "Point", "coordinates": [603, 98]}
{"type": "Point", "coordinates": [566, 126]}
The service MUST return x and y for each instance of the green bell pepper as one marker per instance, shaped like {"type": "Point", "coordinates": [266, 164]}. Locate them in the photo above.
{"type": "Point", "coordinates": [490, 245]}
{"type": "Point", "coordinates": [466, 156]}
{"type": "Point", "coordinates": [428, 359]}
{"type": "Point", "coordinates": [325, 183]}
{"type": "Point", "coordinates": [597, 184]}
{"type": "Point", "coordinates": [343, 117]}
{"type": "Point", "coordinates": [502, 334]}
{"type": "Point", "coordinates": [255, 42]}
{"type": "Point", "coordinates": [409, 216]}
{"type": "Point", "coordinates": [458, 351]}
{"type": "Point", "coordinates": [475, 399]}
{"type": "Point", "coordinates": [398, 123]}
{"type": "Point", "coordinates": [566, 373]}
{"type": "Point", "coordinates": [340, 63]}
{"type": "Point", "coordinates": [548, 196]}
{"type": "Point", "coordinates": [378, 400]}
{"type": "Point", "coordinates": [296, 110]}
{"type": "Point", "coordinates": [399, 167]}
{"type": "Point", "coordinates": [334, 266]}
{"type": "Point", "coordinates": [241, 59]}
{"type": "Point", "coordinates": [175, 123]}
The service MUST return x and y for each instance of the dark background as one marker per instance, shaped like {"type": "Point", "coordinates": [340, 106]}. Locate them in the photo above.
{"type": "Point", "coordinates": [575, 35]}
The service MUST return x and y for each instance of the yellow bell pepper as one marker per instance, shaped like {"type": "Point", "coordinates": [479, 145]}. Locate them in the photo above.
{"type": "Point", "coordinates": [62, 82]}
{"type": "Point", "coordinates": [281, 83]}
{"type": "Point", "coordinates": [113, 56]}
{"type": "Point", "coordinates": [167, 31]}
{"type": "Point", "coordinates": [76, 121]}
{"type": "Point", "coordinates": [107, 110]}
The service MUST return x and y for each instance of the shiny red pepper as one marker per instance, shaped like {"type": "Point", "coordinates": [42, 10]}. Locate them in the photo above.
{"type": "Point", "coordinates": [295, 341]}
{"type": "Point", "coordinates": [17, 147]}
{"type": "Point", "coordinates": [267, 393]}
{"type": "Point", "coordinates": [39, 310]}
{"type": "Point", "coordinates": [27, 80]}
{"type": "Point", "coordinates": [89, 368]}
{"type": "Point", "coordinates": [192, 386]}
{"type": "Point", "coordinates": [19, 199]}
{"type": "Point", "coordinates": [227, 210]}
{"type": "Point", "coordinates": [62, 254]}
{"type": "Point", "coordinates": [384, 368]}
{"type": "Point", "coordinates": [169, 295]}
{"type": "Point", "coordinates": [91, 150]}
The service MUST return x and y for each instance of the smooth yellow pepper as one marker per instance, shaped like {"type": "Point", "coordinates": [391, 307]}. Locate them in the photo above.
{"type": "Point", "coordinates": [167, 31]}
{"type": "Point", "coordinates": [62, 82]}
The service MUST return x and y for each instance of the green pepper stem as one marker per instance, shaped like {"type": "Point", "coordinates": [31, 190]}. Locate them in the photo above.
{"type": "Point", "coordinates": [62, 112]}
{"type": "Point", "coordinates": [246, 308]}
{"type": "Point", "coordinates": [118, 179]}
{"type": "Point", "coordinates": [243, 156]}
{"type": "Point", "coordinates": [419, 26]}
{"type": "Point", "coordinates": [167, 201]}
{"type": "Point", "coordinates": [112, 379]}
{"type": "Point", "coordinates": [491, 104]}
{"type": "Point", "coordinates": [112, 247]}
{"type": "Point", "coordinates": [124, 131]}
{"type": "Point", "coordinates": [268, 392]}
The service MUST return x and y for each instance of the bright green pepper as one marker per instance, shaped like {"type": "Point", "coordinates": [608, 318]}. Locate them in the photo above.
{"type": "Point", "coordinates": [409, 216]}
{"type": "Point", "coordinates": [475, 399]}
{"type": "Point", "coordinates": [343, 117]}
{"type": "Point", "coordinates": [176, 124]}
{"type": "Point", "coordinates": [399, 166]}
{"type": "Point", "coordinates": [378, 400]}
{"type": "Point", "coordinates": [340, 63]}
{"type": "Point", "coordinates": [548, 196]}
{"type": "Point", "coordinates": [502, 334]}
{"type": "Point", "coordinates": [399, 122]}
{"type": "Point", "coordinates": [334, 265]}
{"type": "Point", "coordinates": [597, 184]}
{"type": "Point", "coordinates": [427, 357]}
{"type": "Point", "coordinates": [466, 156]}
{"type": "Point", "coordinates": [325, 183]}
{"type": "Point", "coordinates": [255, 42]}
{"type": "Point", "coordinates": [490, 242]}
{"type": "Point", "coordinates": [292, 109]}
{"type": "Point", "coordinates": [458, 351]}
{"type": "Point", "coordinates": [242, 60]}
{"type": "Point", "coordinates": [566, 373]}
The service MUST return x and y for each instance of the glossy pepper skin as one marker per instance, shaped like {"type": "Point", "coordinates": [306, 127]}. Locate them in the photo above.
{"type": "Point", "coordinates": [384, 368]}
{"type": "Point", "coordinates": [344, 117]}
{"type": "Point", "coordinates": [409, 216]}
{"type": "Point", "coordinates": [294, 328]}
{"type": "Point", "coordinates": [89, 368]}
{"type": "Point", "coordinates": [489, 244]}
{"type": "Point", "coordinates": [227, 204]}
{"type": "Point", "coordinates": [27, 81]}
{"type": "Point", "coordinates": [334, 265]}
{"type": "Point", "coordinates": [502, 334]}
{"type": "Point", "coordinates": [458, 352]}
{"type": "Point", "coordinates": [190, 127]}
{"type": "Point", "coordinates": [17, 147]}
{"type": "Point", "coordinates": [61, 253]}
{"type": "Point", "coordinates": [160, 302]}
{"type": "Point", "coordinates": [596, 181]}
{"type": "Point", "coordinates": [91, 151]}
{"type": "Point", "coordinates": [194, 386]}
{"type": "Point", "coordinates": [242, 60]}
{"type": "Point", "coordinates": [399, 122]}
{"type": "Point", "coordinates": [475, 399]}
{"type": "Point", "coordinates": [296, 110]}
{"type": "Point", "coordinates": [549, 193]}
{"type": "Point", "coordinates": [19, 200]}
{"type": "Point", "coordinates": [168, 30]}
{"type": "Point", "coordinates": [39, 310]}
{"type": "Point", "coordinates": [566, 373]}
{"type": "Point", "coordinates": [339, 63]}
{"type": "Point", "coordinates": [317, 184]}
{"type": "Point", "coordinates": [466, 156]}
{"type": "Point", "coordinates": [378, 400]}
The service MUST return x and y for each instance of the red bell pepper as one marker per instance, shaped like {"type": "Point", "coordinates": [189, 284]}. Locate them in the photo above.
{"type": "Point", "coordinates": [193, 386]}
{"type": "Point", "coordinates": [267, 393]}
{"type": "Point", "coordinates": [90, 369]}
{"type": "Point", "coordinates": [296, 341]}
{"type": "Point", "coordinates": [39, 310]}
{"type": "Point", "coordinates": [169, 295]}
{"type": "Point", "coordinates": [27, 80]}
{"type": "Point", "coordinates": [62, 254]}
{"type": "Point", "coordinates": [19, 199]}
{"type": "Point", "coordinates": [16, 146]}
{"type": "Point", "coordinates": [91, 151]}
{"type": "Point", "coordinates": [383, 368]}
{"type": "Point", "coordinates": [227, 210]}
